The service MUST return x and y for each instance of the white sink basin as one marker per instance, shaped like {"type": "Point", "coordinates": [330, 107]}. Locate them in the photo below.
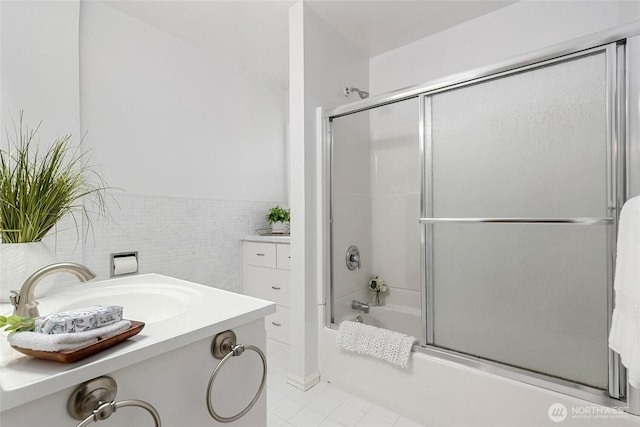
{"type": "Point", "coordinates": [146, 303]}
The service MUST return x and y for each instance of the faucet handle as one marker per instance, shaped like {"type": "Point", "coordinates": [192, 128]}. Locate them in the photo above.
{"type": "Point", "coordinates": [14, 298]}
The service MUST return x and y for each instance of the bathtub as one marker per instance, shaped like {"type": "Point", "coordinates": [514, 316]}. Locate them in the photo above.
{"type": "Point", "coordinates": [437, 391]}
{"type": "Point", "coordinates": [400, 319]}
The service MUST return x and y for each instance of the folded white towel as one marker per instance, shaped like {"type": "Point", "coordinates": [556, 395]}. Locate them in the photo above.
{"type": "Point", "coordinates": [66, 341]}
{"type": "Point", "coordinates": [390, 346]}
{"type": "Point", "coordinates": [624, 337]}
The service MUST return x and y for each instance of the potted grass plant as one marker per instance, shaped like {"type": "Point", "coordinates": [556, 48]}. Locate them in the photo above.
{"type": "Point", "coordinates": [279, 219]}
{"type": "Point", "coordinates": [39, 185]}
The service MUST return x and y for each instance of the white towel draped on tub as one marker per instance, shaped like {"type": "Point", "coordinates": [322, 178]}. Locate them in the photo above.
{"type": "Point", "coordinates": [624, 337]}
{"type": "Point", "coordinates": [65, 341]}
{"type": "Point", "coordinates": [390, 346]}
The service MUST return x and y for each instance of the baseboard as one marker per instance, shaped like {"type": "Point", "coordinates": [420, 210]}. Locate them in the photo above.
{"type": "Point", "coordinates": [303, 384]}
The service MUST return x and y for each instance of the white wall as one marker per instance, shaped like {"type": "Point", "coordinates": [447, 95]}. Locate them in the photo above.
{"type": "Point", "coordinates": [520, 28]}
{"type": "Point", "coordinates": [39, 67]}
{"type": "Point", "coordinates": [169, 119]}
{"type": "Point", "coordinates": [321, 63]}
{"type": "Point", "coordinates": [39, 75]}
{"type": "Point", "coordinates": [197, 145]}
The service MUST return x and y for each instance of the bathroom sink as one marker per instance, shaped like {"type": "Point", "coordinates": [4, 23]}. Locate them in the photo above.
{"type": "Point", "coordinates": [146, 303]}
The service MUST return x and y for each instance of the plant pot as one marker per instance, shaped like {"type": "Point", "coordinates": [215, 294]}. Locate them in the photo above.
{"type": "Point", "coordinates": [18, 261]}
{"type": "Point", "coordinates": [378, 299]}
{"type": "Point", "coordinates": [279, 227]}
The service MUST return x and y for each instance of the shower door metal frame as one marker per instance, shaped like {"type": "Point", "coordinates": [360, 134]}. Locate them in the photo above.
{"type": "Point", "coordinates": [620, 124]}
{"type": "Point", "coordinates": [614, 163]}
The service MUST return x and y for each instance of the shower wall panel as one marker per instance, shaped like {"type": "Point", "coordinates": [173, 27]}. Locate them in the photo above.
{"type": "Point", "coordinates": [350, 210]}
{"type": "Point", "coordinates": [395, 201]}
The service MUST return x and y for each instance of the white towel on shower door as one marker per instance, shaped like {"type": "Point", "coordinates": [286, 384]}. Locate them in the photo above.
{"type": "Point", "coordinates": [624, 337]}
{"type": "Point", "coordinates": [390, 346]}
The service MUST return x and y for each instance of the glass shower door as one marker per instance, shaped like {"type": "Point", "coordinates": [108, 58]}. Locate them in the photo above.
{"type": "Point", "coordinates": [517, 220]}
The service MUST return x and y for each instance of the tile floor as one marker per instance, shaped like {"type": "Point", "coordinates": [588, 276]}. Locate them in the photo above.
{"type": "Point", "coordinates": [322, 406]}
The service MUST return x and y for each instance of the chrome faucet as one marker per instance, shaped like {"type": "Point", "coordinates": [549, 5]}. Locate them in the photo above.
{"type": "Point", "coordinates": [357, 305]}
{"type": "Point", "coordinates": [24, 302]}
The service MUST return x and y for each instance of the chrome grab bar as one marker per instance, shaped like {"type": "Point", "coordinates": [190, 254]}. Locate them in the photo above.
{"type": "Point", "coordinates": [224, 347]}
{"type": "Point", "coordinates": [573, 221]}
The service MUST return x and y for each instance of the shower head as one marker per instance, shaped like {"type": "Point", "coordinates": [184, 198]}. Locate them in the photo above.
{"type": "Point", "coordinates": [347, 91]}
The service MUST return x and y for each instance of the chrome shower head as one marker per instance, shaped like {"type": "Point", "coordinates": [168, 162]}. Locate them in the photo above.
{"type": "Point", "coordinates": [347, 91]}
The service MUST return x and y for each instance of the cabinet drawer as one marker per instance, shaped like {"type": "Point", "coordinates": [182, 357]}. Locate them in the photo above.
{"type": "Point", "coordinates": [267, 283]}
{"type": "Point", "coordinates": [260, 254]}
{"type": "Point", "coordinates": [277, 325]}
{"type": "Point", "coordinates": [283, 256]}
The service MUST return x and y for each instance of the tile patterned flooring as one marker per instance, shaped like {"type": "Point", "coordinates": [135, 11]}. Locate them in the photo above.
{"type": "Point", "coordinates": [323, 405]}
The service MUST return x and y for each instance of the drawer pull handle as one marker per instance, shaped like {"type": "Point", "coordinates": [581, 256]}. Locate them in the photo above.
{"type": "Point", "coordinates": [259, 254]}
{"type": "Point", "coordinates": [276, 288]}
{"type": "Point", "coordinates": [276, 324]}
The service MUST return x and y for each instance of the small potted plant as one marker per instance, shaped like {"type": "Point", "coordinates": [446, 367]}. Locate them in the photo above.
{"type": "Point", "coordinates": [279, 219]}
{"type": "Point", "coordinates": [39, 185]}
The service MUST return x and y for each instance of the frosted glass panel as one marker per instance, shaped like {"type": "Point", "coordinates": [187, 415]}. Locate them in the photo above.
{"type": "Point", "coordinates": [525, 295]}
{"type": "Point", "coordinates": [530, 145]}
{"type": "Point", "coordinates": [527, 145]}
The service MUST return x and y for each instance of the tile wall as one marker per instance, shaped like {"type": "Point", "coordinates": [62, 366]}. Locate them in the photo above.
{"type": "Point", "coordinates": [193, 239]}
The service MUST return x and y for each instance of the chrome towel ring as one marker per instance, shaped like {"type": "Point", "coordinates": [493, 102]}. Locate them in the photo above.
{"type": "Point", "coordinates": [94, 401]}
{"type": "Point", "coordinates": [105, 410]}
{"type": "Point", "coordinates": [224, 347]}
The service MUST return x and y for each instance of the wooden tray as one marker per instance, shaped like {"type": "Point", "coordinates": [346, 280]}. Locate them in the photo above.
{"type": "Point", "coordinates": [70, 356]}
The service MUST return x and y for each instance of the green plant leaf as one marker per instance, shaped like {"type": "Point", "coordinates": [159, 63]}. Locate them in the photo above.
{"type": "Point", "coordinates": [17, 323]}
{"type": "Point", "coordinates": [278, 214]}
{"type": "Point", "coordinates": [14, 319]}
{"type": "Point", "coordinates": [39, 187]}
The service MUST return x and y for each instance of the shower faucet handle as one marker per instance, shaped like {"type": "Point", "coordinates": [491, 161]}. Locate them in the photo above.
{"type": "Point", "coordinates": [353, 257]}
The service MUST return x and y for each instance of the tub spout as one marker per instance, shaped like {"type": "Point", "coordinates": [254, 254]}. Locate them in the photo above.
{"type": "Point", "coordinates": [24, 302]}
{"type": "Point", "coordinates": [357, 305]}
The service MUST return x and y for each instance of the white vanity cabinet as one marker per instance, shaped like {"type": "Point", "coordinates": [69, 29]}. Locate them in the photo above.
{"type": "Point", "coordinates": [266, 266]}
{"type": "Point", "coordinates": [175, 383]}
{"type": "Point", "coordinates": [168, 364]}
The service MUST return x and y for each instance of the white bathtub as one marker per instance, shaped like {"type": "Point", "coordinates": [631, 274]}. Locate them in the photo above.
{"type": "Point", "coordinates": [441, 392]}
{"type": "Point", "coordinates": [400, 319]}
{"type": "Point", "coordinates": [438, 392]}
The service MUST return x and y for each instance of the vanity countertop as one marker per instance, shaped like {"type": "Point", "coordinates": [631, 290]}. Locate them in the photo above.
{"type": "Point", "coordinates": [195, 312]}
{"type": "Point", "coordinates": [268, 239]}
